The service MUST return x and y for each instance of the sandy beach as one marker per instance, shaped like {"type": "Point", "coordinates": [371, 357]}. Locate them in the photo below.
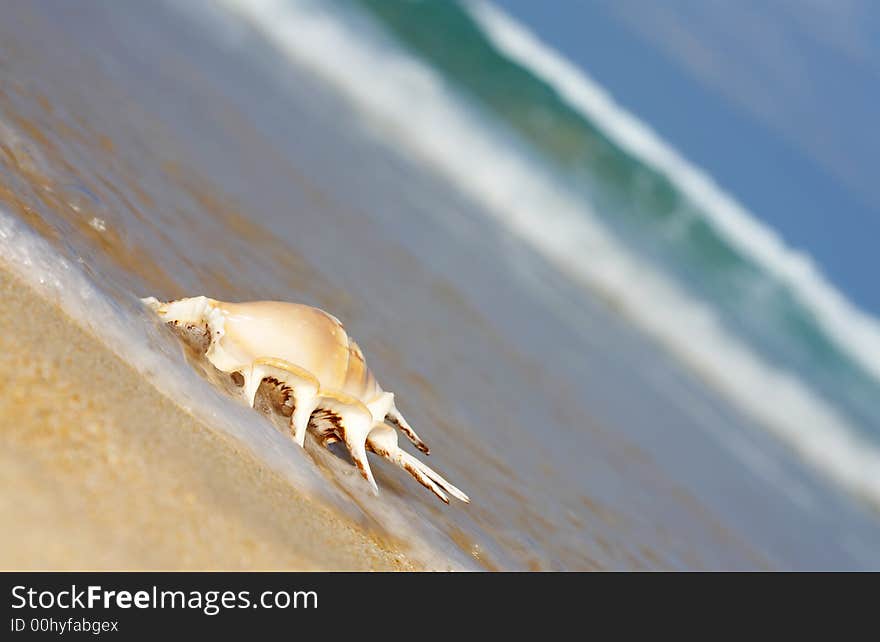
{"type": "Point", "coordinates": [100, 471]}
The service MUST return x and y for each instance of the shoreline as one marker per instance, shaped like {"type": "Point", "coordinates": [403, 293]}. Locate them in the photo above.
{"type": "Point", "coordinates": [99, 470]}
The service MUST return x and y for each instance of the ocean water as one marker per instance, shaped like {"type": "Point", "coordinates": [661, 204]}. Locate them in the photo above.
{"type": "Point", "coordinates": [620, 365]}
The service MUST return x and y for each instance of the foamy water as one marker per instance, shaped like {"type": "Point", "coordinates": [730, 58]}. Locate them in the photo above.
{"type": "Point", "coordinates": [131, 332]}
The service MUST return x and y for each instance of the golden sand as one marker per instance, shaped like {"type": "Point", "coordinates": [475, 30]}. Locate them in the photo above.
{"type": "Point", "coordinates": [100, 471]}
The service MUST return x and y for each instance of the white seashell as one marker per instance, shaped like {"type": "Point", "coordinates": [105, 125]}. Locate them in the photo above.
{"type": "Point", "coordinates": [309, 353]}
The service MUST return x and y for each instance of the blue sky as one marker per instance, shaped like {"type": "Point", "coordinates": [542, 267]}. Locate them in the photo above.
{"type": "Point", "coordinates": [777, 99]}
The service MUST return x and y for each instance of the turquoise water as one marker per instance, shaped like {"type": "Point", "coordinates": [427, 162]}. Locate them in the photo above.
{"type": "Point", "coordinates": [648, 212]}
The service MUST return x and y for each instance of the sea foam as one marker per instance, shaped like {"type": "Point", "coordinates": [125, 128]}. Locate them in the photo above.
{"type": "Point", "coordinates": [129, 330]}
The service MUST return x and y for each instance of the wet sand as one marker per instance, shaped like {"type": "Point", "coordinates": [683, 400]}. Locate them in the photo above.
{"type": "Point", "coordinates": [100, 471]}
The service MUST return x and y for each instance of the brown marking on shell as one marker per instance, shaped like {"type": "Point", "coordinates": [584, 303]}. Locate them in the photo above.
{"type": "Point", "coordinates": [359, 464]}
{"type": "Point", "coordinates": [392, 421]}
{"type": "Point", "coordinates": [376, 449]}
{"type": "Point", "coordinates": [336, 434]}
{"type": "Point", "coordinates": [281, 396]}
{"type": "Point", "coordinates": [412, 470]}
{"type": "Point", "coordinates": [420, 477]}
{"type": "Point", "coordinates": [319, 421]}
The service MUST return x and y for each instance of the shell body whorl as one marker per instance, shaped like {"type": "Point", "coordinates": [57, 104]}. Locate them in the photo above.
{"type": "Point", "coordinates": [300, 334]}
{"type": "Point", "coordinates": [321, 370]}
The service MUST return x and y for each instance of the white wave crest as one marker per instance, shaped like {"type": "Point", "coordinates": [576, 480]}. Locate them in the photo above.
{"type": "Point", "coordinates": [855, 332]}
